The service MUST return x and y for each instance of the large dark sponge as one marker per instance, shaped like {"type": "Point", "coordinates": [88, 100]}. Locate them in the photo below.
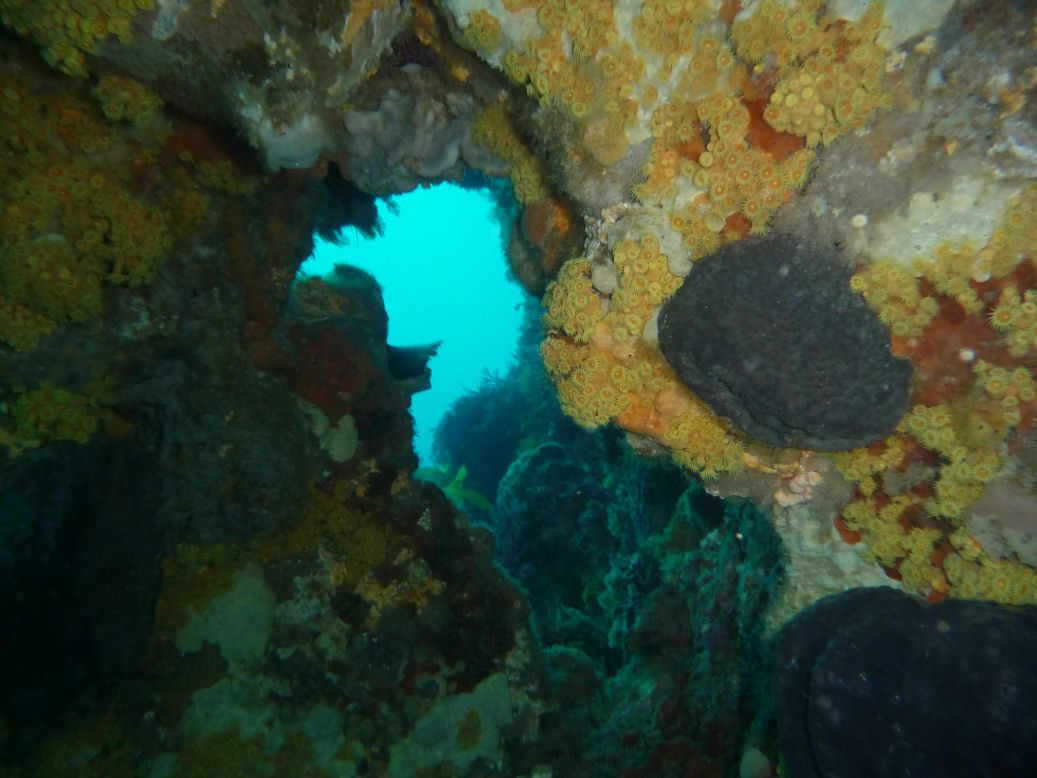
{"type": "Point", "coordinates": [769, 334]}
{"type": "Point", "coordinates": [874, 682]}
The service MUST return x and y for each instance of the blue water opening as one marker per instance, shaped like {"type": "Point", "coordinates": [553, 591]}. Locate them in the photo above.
{"type": "Point", "coordinates": [442, 267]}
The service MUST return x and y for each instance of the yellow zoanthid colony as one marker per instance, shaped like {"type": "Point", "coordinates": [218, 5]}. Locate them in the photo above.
{"type": "Point", "coordinates": [719, 101]}
{"type": "Point", "coordinates": [605, 371]}
{"type": "Point", "coordinates": [196, 433]}
{"type": "Point", "coordinates": [99, 186]}
{"type": "Point", "coordinates": [71, 219]}
{"type": "Point", "coordinates": [973, 407]}
{"type": "Point", "coordinates": [723, 106]}
{"type": "Point", "coordinates": [495, 129]}
{"type": "Point", "coordinates": [66, 31]}
{"type": "Point", "coordinates": [730, 103]}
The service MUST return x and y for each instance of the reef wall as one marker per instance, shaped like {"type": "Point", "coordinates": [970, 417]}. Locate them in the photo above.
{"type": "Point", "coordinates": [246, 435]}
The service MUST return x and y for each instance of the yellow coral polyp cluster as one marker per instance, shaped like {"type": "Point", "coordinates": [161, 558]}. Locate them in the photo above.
{"type": "Point", "coordinates": [674, 64]}
{"type": "Point", "coordinates": [861, 465]}
{"type": "Point", "coordinates": [1015, 238]}
{"type": "Point", "coordinates": [568, 66]}
{"type": "Point", "coordinates": [493, 128]}
{"type": "Point", "coordinates": [21, 327]}
{"type": "Point", "coordinates": [573, 306]}
{"type": "Point", "coordinates": [483, 31]}
{"type": "Point", "coordinates": [822, 107]}
{"type": "Point", "coordinates": [963, 440]}
{"type": "Point", "coordinates": [645, 282]}
{"type": "Point", "coordinates": [972, 573]}
{"type": "Point", "coordinates": [967, 445]}
{"type": "Point", "coordinates": [951, 272]}
{"type": "Point", "coordinates": [699, 440]}
{"type": "Point", "coordinates": [827, 99]}
{"type": "Point", "coordinates": [670, 26]}
{"type": "Point", "coordinates": [1010, 389]}
{"type": "Point", "coordinates": [838, 83]}
{"type": "Point", "coordinates": [622, 71]}
{"type": "Point", "coordinates": [737, 178]}
{"type": "Point", "coordinates": [47, 276]}
{"type": "Point", "coordinates": [892, 544]}
{"type": "Point", "coordinates": [894, 294]}
{"type": "Point", "coordinates": [1015, 317]}
{"type": "Point", "coordinates": [65, 30]}
{"type": "Point", "coordinates": [53, 413]}
{"type": "Point", "coordinates": [968, 435]}
{"type": "Point", "coordinates": [932, 426]}
{"type": "Point", "coordinates": [780, 31]}
{"type": "Point", "coordinates": [589, 24]}
{"type": "Point", "coordinates": [80, 206]}
{"type": "Point", "coordinates": [744, 179]}
{"type": "Point", "coordinates": [606, 369]}
{"type": "Point", "coordinates": [124, 99]}
{"type": "Point", "coordinates": [595, 387]}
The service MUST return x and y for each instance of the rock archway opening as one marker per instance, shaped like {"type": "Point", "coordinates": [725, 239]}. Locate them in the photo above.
{"type": "Point", "coordinates": [439, 255]}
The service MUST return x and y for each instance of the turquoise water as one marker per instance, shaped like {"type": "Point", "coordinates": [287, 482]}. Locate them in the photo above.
{"type": "Point", "coordinates": [443, 272]}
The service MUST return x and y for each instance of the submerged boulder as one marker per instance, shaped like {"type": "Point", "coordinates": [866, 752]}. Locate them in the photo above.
{"type": "Point", "coordinates": [769, 334]}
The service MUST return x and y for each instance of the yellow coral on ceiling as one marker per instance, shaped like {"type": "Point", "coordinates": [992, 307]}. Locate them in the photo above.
{"type": "Point", "coordinates": [81, 205]}
{"type": "Point", "coordinates": [124, 99]}
{"type": "Point", "coordinates": [66, 30]}
{"type": "Point", "coordinates": [494, 128]}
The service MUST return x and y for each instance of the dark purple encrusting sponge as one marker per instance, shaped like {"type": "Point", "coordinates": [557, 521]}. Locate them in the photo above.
{"type": "Point", "coordinates": [875, 682]}
{"type": "Point", "coordinates": [768, 332]}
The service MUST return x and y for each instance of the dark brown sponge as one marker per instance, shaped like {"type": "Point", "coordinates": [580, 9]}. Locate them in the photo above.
{"type": "Point", "coordinates": [768, 332]}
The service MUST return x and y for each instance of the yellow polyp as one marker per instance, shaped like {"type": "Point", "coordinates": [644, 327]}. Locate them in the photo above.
{"type": "Point", "coordinates": [1003, 317]}
{"type": "Point", "coordinates": [863, 463]}
{"type": "Point", "coordinates": [64, 31]}
{"type": "Point", "coordinates": [53, 413]}
{"type": "Point", "coordinates": [47, 275]}
{"type": "Point", "coordinates": [20, 327]}
{"type": "Point", "coordinates": [895, 296]}
{"type": "Point", "coordinates": [573, 306]}
{"type": "Point", "coordinates": [123, 98]}
{"type": "Point", "coordinates": [494, 129]}
{"type": "Point", "coordinates": [483, 31]}
{"type": "Point", "coordinates": [1016, 236]}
